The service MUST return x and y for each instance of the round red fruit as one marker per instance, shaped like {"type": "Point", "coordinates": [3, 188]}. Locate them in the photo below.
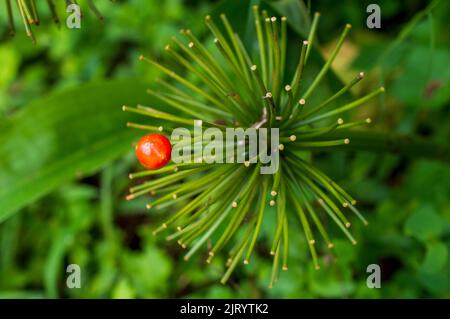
{"type": "Point", "coordinates": [153, 151]}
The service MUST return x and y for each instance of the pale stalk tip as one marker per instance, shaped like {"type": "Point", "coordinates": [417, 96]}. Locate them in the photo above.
{"type": "Point", "coordinates": [272, 203]}
{"type": "Point", "coordinates": [347, 141]}
{"type": "Point", "coordinates": [292, 138]}
{"type": "Point", "coordinates": [273, 193]}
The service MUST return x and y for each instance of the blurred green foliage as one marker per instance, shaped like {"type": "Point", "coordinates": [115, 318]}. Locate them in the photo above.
{"type": "Point", "coordinates": [87, 221]}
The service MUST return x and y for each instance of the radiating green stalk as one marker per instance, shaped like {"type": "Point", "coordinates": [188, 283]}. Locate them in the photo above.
{"type": "Point", "coordinates": [204, 58]}
{"type": "Point", "coordinates": [285, 244]}
{"type": "Point", "coordinates": [184, 82]}
{"type": "Point", "coordinates": [299, 71]}
{"type": "Point", "coordinates": [208, 233]}
{"type": "Point", "coordinates": [275, 267]}
{"type": "Point", "coordinates": [259, 81]}
{"type": "Point", "coordinates": [183, 107]}
{"type": "Point", "coordinates": [232, 36]}
{"type": "Point", "coordinates": [34, 12]}
{"type": "Point", "coordinates": [215, 87]}
{"type": "Point", "coordinates": [25, 20]}
{"type": "Point", "coordinates": [270, 45]}
{"type": "Point", "coordinates": [53, 11]}
{"type": "Point", "coordinates": [315, 218]}
{"type": "Point", "coordinates": [283, 47]}
{"type": "Point", "coordinates": [233, 265]}
{"type": "Point", "coordinates": [243, 240]}
{"type": "Point", "coordinates": [342, 91]}
{"type": "Point", "coordinates": [281, 215]}
{"type": "Point", "coordinates": [305, 134]}
{"type": "Point", "coordinates": [236, 220]}
{"type": "Point", "coordinates": [246, 197]}
{"type": "Point", "coordinates": [307, 230]}
{"type": "Point", "coordinates": [337, 221]}
{"type": "Point", "coordinates": [219, 184]}
{"type": "Point", "coordinates": [203, 61]}
{"type": "Point", "coordinates": [346, 126]}
{"type": "Point", "coordinates": [328, 64]}
{"type": "Point", "coordinates": [12, 29]}
{"type": "Point", "coordinates": [27, 12]}
{"type": "Point", "coordinates": [323, 197]}
{"type": "Point", "coordinates": [341, 109]}
{"type": "Point", "coordinates": [95, 10]}
{"type": "Point", "coordinates": [157, 114]}
{"type": "Point", "coordinates": [173, 89]}
{"type": "Point", "coordinates": [261, 208]}
{"type": "Point", "coordinates": [357, 213]}
{"type": "Point", "coordinates": [312, 33]}
{"type": "Point", "coordinates": [261, 43]}
{"type": "Point", "coordinates": [276, 73]}
{"type": "Point", "coordinates": [318, 144]}
{"type": "Point", "coordinates": [223, 43]}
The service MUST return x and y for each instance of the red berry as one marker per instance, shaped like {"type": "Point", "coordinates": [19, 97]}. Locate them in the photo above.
{"type": "Point", "coordinates": [153, 151]}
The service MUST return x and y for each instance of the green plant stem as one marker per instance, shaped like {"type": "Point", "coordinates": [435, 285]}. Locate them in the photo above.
{"type": "Point", "coordinates": [405, 145]}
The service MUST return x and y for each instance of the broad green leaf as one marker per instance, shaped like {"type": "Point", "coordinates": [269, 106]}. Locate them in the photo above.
{"type": "Point", "coordinates": [63, 136]}
{"type": "Point", "coordinates": [424, 224]}
{"type": "Point", "coordinates": [435, 258]}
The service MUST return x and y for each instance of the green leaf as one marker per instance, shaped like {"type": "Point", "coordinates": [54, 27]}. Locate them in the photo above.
{"type": "Point", "coordinates": [65, 135]}
{"type": "Point", "coordinates": [435, 258]}
{"type": "Point", "coordinates": [424, 224]}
